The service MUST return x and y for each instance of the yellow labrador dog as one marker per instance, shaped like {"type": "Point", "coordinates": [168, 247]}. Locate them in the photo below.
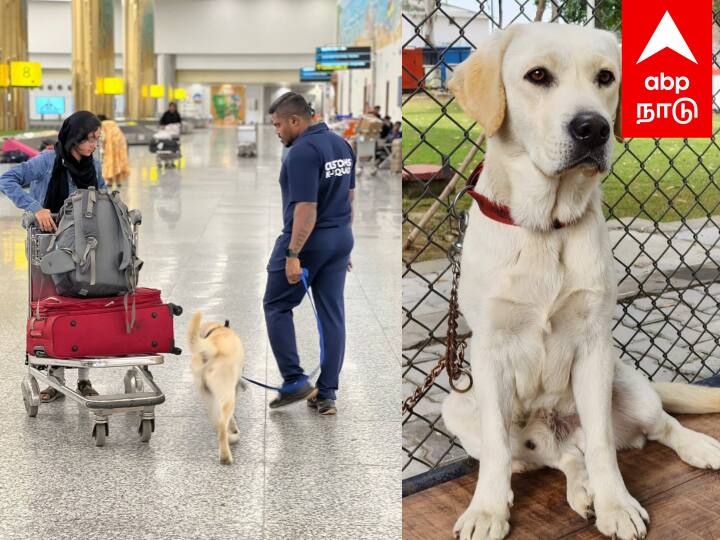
{"type": "Point", "coordinates": [539, 295]}
{"type": "Point", "coordinates": [217, 366]}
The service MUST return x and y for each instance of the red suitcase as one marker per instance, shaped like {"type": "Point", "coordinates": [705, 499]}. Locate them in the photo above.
{"type": "Point", "coordinates": [64, 327]}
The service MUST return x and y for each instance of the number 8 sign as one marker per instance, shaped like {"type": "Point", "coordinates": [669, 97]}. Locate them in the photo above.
{"type": "Point", "coordinates": [28, 74]}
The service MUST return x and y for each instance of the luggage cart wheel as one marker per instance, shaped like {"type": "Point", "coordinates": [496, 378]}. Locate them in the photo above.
{"type": "Point", "coordinates": [100, 431]}
{"type": "Point", "coordinates": [147, 426]}
{"type": "Point", "coordinates": [31, 395]}
{"type": "Point", "coordinates": [132, 382]}
{"type": "Point", "coordinates": [176, 310]}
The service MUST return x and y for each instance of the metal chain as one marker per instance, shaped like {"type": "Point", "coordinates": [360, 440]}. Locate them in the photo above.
{"type": "Point", "coordinates": [454, 357]}
{"type": "Point", "coordinates": [455, 352]}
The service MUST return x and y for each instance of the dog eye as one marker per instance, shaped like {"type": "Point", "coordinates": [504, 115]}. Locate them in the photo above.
{"type": "Point", "coordinates": [605, 77]}
{"type": "Point", "coordinates": [540, 76]}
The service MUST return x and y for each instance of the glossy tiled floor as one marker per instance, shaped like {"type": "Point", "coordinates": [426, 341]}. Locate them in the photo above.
{"type": "Point", "coordinates": [207, 232]}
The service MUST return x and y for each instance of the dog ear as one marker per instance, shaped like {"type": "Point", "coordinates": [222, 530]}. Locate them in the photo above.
{"type": "Point", "coordinates": [618, 117]}
{"type": "Point", "coordinates": [477, 82]}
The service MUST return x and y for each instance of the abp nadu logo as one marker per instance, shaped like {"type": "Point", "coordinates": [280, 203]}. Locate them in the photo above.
{"type": "Point", "coordinates": [667, 69]}
{"type": "Point", "coordinates": [684, 110]}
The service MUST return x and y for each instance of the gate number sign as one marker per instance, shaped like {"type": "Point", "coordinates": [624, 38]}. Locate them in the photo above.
{"type": "Point", "coordinates": [25, 74]}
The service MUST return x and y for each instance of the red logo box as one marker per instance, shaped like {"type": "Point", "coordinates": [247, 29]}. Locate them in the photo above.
{"type": "Point", "coordinates": [667, 68]}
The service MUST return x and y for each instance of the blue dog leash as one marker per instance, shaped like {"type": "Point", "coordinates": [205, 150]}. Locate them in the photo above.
{"type": "Point", "coordinates": [304, 279]}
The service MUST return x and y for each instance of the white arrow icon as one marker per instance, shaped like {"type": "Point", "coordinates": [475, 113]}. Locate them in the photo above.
{"type": "Point", "coordinates": [667, 36]}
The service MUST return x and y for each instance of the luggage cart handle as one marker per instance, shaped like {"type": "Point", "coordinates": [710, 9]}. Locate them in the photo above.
{"type": "Point", "coordinates": [29, 221]}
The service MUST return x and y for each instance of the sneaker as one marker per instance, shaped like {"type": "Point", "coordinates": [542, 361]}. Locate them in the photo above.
{"type": "Point", "coordinates": [324, 406]}
{"type": "Point", "coordinates": [286, 398]}
{"type": "Point", "coordinates": [85, 388]}
{"type": "Point", "coordinates": [50, 394]}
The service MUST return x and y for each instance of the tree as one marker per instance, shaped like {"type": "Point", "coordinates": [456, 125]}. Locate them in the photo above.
{"type": "Point", "coordinates": [607, 13]}
{"type": "Point", "coordinates": [417, 11]}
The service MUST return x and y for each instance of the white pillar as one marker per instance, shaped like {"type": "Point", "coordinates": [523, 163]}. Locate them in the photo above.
{"type": "Point", "coordinates": [166, 77]}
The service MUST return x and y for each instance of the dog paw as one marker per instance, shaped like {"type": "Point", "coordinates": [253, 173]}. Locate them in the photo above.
{"type": "Point", "coordinates": [524, 466]}
{"type": "Point", "coordinates": [479, 524]}
{"type": "Point", "coordinates": [699, 450]}
{"type": "Point", "coordinates": [579, 496]}
{"type": "Point", "coordinates": [233, 438]}
{"type": "Point", "coordinates": [623, 518]}
{"type": "Point", "coordinates": [226, 458]}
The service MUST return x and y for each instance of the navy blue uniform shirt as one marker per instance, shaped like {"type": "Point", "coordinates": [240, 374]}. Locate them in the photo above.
{"type": "Point", "coordinates": [319, 168]}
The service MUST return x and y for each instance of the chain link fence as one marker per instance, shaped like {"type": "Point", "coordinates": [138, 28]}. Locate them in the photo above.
{"type": "Point", "coordinates": [661, 200]}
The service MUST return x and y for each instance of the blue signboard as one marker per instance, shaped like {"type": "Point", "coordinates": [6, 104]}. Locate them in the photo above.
{"type": "Point", "coordinates": [53, 105]}
{"type": "Point", "coordinates": [341, 58]}
{"type": "Point", "coordinates": [311, 75]}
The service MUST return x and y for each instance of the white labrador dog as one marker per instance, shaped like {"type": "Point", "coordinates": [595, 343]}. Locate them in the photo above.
{"type": "Point", "coordinates": [549, 388]}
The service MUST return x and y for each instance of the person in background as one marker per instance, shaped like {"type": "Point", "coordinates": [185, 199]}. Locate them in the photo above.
{"type": "Point", "coordinates": [383, 148]}
{"type": "Point", "coordinates": [47, 144]}
{"type": "Point", "coordinates": [171, 116]}
{"type": "Point", "coordinates": [396, 132]}
{"type": "Point", "coordinates": [376, 112]}
{"type": "Point", "coordinates": [113, 152]}
{"type": "Point", "coordinates": [51, 178]}
{"type": "Point", "coordinates": [386, 127]}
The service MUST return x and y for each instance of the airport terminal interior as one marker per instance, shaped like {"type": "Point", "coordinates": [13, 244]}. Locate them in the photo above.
{"type": "Point", "coordinates": [211, 211]}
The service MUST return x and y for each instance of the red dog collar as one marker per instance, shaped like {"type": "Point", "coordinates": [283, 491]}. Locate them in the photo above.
{"type": "Point", "coordinates": [495, 211]}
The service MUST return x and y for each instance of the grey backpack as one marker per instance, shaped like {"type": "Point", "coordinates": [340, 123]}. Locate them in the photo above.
{"type": "Point", "coordinates": [94, 251]}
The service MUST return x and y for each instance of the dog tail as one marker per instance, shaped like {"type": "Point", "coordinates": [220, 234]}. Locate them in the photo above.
{"type": "Point", "coordinates": [197, 343]}
{"type": "Point", "coordinates": [683, 398]}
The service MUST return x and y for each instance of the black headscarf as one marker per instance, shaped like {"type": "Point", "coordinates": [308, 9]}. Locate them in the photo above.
{"type": "Point", "coordinates": [76, 128]}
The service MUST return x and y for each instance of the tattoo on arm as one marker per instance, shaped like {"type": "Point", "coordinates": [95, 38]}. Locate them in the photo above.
{"type": "Point", "coordinates": [304, 217]}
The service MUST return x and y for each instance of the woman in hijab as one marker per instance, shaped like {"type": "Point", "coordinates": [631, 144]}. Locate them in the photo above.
{"type": "Point", "coordinates": [51, 178]}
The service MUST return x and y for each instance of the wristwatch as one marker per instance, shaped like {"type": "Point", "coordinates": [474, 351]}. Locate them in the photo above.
{"type": "Point", "coordinates": [289, 253]}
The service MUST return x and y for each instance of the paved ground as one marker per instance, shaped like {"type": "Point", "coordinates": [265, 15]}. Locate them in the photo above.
{"type": "Point", "coordinates": [207, 232]}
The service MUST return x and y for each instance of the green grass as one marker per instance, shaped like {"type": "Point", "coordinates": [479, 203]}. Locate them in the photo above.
{"type": "Point", "coordinates": [646, 173]}
{"type": "Point", "coordinates": [451, 135]}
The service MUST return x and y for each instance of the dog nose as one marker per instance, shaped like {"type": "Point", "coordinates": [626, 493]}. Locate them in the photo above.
{"type": "Point", "coordinates": [590, 129]}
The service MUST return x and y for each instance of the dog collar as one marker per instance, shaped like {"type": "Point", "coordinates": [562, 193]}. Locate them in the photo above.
{"type": "Point", "coordinates": [494, 210]}
{"type": "Point", "coordinates": [227, 325]}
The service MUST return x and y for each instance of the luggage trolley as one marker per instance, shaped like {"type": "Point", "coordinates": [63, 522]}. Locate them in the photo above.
{"type": "Point", "coordinates": [247, 140]}
{"type": "Point", "coordinates": [166, 148]}
{"type": "Point", "coordinates": [365, 153]}
{"type": "Point", "coordinates": [141, 393]}
{"type": "Point", "coordinates": [383, 156]}
{"type": "Point", "coordinates": [168, 152]}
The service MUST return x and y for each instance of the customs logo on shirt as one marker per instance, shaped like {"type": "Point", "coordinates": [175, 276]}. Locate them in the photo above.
{"type": "Point", "coordinates": [337, 167]}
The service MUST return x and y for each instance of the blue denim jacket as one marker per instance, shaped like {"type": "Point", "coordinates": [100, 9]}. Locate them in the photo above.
{"type": "Point", "coordinates": [35, 174]}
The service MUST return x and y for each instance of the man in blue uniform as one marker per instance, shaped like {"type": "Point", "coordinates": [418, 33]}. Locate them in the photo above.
{"type": "Point", "coordinates": [317, 180]}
